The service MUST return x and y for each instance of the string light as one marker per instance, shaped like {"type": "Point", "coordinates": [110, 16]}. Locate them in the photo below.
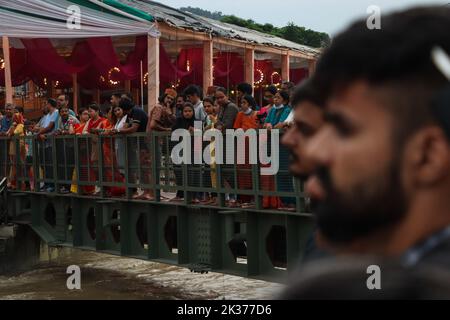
{"type": "Point", "coordinates": [261, 77]}
{"type": "Point", "coordinates": [2, 63]}
{"type": "Point", "coordinates": [188, 65]}
{"type": "Point", "coordinates": [110, 72]}
{"type": "Point", "coordinates": [56, 83]}
{"type": "Point", "coordinates": [102, 79]}
{"type": "Point", "coordinates": [146, 78]}
{"type": "Point", "coordinates": [273, 75]}
{"type": "Point", "coordinates": [45, 81]}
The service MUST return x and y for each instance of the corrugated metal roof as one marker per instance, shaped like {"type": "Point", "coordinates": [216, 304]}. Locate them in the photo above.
{"type": "Point", "coordinates": [185, 20]}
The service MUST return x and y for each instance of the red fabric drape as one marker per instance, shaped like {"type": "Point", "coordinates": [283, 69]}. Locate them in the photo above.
{"type": "Point", "coordinates": [297, 75]}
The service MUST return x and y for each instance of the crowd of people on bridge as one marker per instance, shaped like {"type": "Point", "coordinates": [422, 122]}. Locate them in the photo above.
{"type": "Point", "coordinates": [122, 117]}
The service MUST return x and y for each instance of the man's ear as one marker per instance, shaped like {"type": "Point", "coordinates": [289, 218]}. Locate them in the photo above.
{"type": "Point", "coordinates": [427, 156]}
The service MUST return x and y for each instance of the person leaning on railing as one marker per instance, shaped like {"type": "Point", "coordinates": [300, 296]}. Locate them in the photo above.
{"type": "Point", "coordinates": [16, 149]}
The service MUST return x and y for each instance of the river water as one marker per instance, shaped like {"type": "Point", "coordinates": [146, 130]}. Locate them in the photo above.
{"type": "Point", "coordinates": [105, 276]}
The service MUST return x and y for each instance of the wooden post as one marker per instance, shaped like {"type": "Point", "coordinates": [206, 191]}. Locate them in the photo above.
{"type": "Point", "coordinates": [250, 67]}
{"type": "Point", "coordinates": [136, 96]}
{"type": "Point", "coordinates": [31, 95]}
{"type": "Point", "coordinates": [311, 67]}
{"type": "Point", "coordinates": [153, 72]}
{"type": "Point", "coordinates": [97, 96]}
{"type": "Point", "coordinates": [8, 82]}
{"type": "Point", "coordinates": [75, 92]}
{"type": "Point", "coordinates": [207, 65]}
{"type": "Point", "coordinates": [285, 67]}
{"type": "Point", "coordinates": [128, 86]}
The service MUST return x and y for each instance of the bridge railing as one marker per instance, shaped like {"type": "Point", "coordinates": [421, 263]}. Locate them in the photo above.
{"type": "Point", "coordinates": [110, 166]}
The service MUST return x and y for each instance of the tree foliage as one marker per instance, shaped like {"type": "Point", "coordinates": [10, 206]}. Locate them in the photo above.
{"type": "Point", "coordinates": [290, 32]}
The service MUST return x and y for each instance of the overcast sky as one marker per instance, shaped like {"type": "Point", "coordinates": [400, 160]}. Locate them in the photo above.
{"type": "Point", "coordinates": [321, 15]}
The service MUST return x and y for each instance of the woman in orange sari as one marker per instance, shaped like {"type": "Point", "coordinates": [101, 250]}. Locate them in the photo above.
{"type": "Point", "coordinates": [111, 170]}
{"type": "Point", "coordinates": [81, 129]}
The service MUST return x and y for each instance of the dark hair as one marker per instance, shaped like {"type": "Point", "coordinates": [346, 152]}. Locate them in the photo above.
{"type": "Point", "coordinates": [223, 90]}
{"type": "Point", "coordinates": [117, 95]}
{"type": "Point", "coordinates": [284, 95]}
{"type": "Point", "coordinates": [395, 61]}
{"type": "Point", "coordinates": [245, 88]}
{"type": "Point", "coordinates": [19, 109]}
{"type": "Point", "coordinates": [81, 110]}
{"type": "Point", "coordinates": [307, 91]}
{"type": "Point", "coordinates": [127, 95]}
{"type": "Point", "coordinates": [289, 84]}
{"type": "Point", "coordinates": [272, 89]}
{"type": "Point", "coordinates": [94, 106]}
{"type": "Point", "coordinates": [251, 101]}
{"type": "Point", "coordinates": [66, 97]}
{"type": "Point", "coordinates": [188, 105]}
{"type": "Point", "coordinates": [192, 90]}
{"type": "Point", "coordinates": [52, 102]}
{"type": "Point", "coordinates": [209, 100]}
{"type": "Point", "coordinates": [126, 104]}
{"type": "Point", "coordinates": [65, 107]}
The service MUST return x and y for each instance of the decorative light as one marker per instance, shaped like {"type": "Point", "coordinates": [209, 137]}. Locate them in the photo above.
{"type": "Point", "coordinates": [146, 78]}
{"type": "Point", "coordinates": [273, 75]}
{"type": "Point", "coordinates": [261, 77]}
{"type": "Point", "coordinates": [188, 65]}
{"type": "Point", "coordinates": [102, 79]}
{"type": "Point", "coordinates": [56, 83]}
{"type": "Point", "coordinates": [45, 81]}
{"type": "Point", "coordinates": [110, 72]}
{"type": "Point", "coordinates": [2, 64]}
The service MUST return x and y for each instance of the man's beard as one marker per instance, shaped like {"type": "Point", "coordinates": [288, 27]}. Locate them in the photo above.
{"type": "Point", "coordinates": [367, 208]}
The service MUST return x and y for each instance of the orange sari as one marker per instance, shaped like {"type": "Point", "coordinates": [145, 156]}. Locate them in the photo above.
{"type": "Point", "coordinates": [111, 171]}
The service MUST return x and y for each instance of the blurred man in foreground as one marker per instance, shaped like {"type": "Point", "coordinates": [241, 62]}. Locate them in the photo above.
{"type": "Point", "coordinates": [383, 158]}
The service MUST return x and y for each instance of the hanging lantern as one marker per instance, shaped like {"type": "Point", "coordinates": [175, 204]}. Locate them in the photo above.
{"type": "Point", "coordinates": [110, 74]}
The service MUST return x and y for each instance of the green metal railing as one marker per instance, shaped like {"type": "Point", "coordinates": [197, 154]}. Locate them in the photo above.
{"type": "Point", "coordinates": [253, 242]}
{"type": "Point", "coordinates": [94, 165]}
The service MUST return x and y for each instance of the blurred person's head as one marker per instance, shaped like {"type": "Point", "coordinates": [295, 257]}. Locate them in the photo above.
{"type": "Point", "coordinates": [64, 112]}
{"type": "Point", "coordinates": [83, 114]}
{"type": "Point", "coordinates": [188, 110]}
{"type": "Point", "coordinates": [9, 110]}
{"type": "Point", "coordinates": [308, 108]}
{"type": "Point", "coordinates": [269, 93]}
{"type": "Point", "coordinates": [192, 94]}
{"type": "Point", "coordinates": [288, 87]}
{"type": "Point", "coordinates": [126, 105]}
{"type": "Point", "coordinates": [94, 111]}
{"type": "Point", "coordinates": [115, 99]}
{"type": "Point", "coordinates": [244, 89]}
{"type": "Point", "coordinates": [281, 98]}
{"type": "Point", "coordinates": [51, 105]}
{"type": "Point", "coordinates": [62, 101]}
{"type": "Point", "coordinates": [383, 160]}
{"type": "Point", "coordinates": [247, 103]}
{"type": "Point", "coordinates": [118, 112]}
{"type": "Point", "coordinates": [180, 102]}
{"type": "Point", "coordinates": [19, 110]}
{"type": "Point", "coordinates": [208, 104]}
{"type": "Point", "coordinates": [221, 96]}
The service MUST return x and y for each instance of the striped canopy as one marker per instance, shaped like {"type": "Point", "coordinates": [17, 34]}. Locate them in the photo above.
{"type": "Point", "coordinates": [49, 19]}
